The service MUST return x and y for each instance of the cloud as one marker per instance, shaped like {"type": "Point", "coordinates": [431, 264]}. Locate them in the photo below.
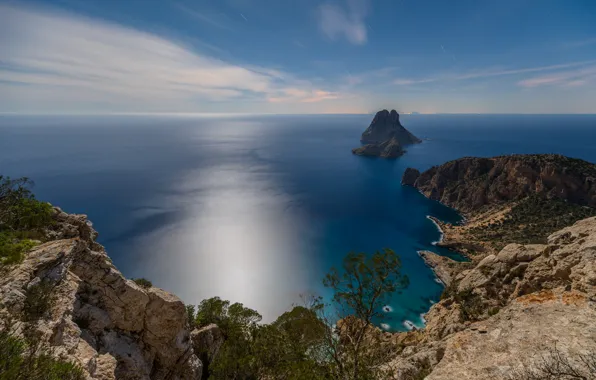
{"type": "Point", "coordinates": [487, 73]}
{"type": "Point", "coordinates": [336, 21]}
{"type": "Point", "coordinates": [568, 78]}
{"type": "Point", "coordinates": [56, 59]}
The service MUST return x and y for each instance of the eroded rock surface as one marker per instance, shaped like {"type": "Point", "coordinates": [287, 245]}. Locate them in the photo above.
{"type": "Point", "coordinates": [469, 183]}
{"type": "Point", "coordinates": [106, 323]}
{"type": "Point", "coordinates": [508, 310]}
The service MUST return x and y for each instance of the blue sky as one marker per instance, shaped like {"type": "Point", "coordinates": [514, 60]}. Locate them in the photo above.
{"type": "Point", "coordinates": [298, 56]}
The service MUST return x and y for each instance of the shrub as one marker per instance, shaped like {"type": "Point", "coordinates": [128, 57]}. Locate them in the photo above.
{"type": "Point", "coordinates": [471, 305]}
{"type": "Point", "coordinates": [143, 282]}
{"type": "Point", "coordinates": [38, 300]}
{"type": "Point", "coordinates": [12, 248]}
{"type": "Point", "coordinates": [21, 360]}
{"type": "Point", "coordinates": [22, 218]}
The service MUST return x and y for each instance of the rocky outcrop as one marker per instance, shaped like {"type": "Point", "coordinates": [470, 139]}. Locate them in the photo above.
{"type": "Point", "coordinates": [410, 176]}
{"type": "Point", "coordinates": [469, 183]}
{"type": "Point", "coordinates": [110, 326]}
{"type": "Point", "coordinates": [445, 268]}
{"type": "Point", "coordinates": [388, 149]}
{"type": "Point", "coordinates": [385, 137]}
{"type": "Point", "coordinates": [507, 311]}
{"type": "Point", "coordinates": [206, 344]}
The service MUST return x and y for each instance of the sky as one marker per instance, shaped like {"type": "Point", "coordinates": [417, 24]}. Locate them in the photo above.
{"type": "Point", "coordinates": [297, 56]}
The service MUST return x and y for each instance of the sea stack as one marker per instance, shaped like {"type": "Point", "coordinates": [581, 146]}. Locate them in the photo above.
{"type": "Point", "coordinates": [385, 137]}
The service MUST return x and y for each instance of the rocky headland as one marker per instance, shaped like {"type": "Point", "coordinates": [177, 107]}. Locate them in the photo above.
{"type": "Point", "coordinates": [508, 199]}
{"type": "Point", "coordinates": [385, 137]}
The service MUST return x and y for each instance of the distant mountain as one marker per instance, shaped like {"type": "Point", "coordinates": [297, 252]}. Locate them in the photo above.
{"type": "Point", "coordinates": [385, 137]}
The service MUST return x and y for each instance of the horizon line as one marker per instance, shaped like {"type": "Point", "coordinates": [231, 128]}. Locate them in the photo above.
{"type": "Point", "coordinates": [221, 114]}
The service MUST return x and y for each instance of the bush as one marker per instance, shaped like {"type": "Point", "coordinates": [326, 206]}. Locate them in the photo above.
{"type": "Point", "coordinates": [21, 360]}
{"type": "Point", "coordinates": [471, 305]}
{"type": "Point", "coordinates": [22, 218]}
{"type": "Point", "coordinates": [143, 282]}
{"type": "Point", "coordinates": [12, 248]}
{"type": "Point", "coordinates": [38, 300]}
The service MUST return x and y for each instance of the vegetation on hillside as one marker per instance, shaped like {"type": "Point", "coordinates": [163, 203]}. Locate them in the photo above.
{"type": "Point", "coordinates": [22, 219]}
{"type": "Point", "coordinates": [309, 342]}
{"type": "Point", "coordinates": [530, 221]}
{"type": "Point", "coordinates": [25, 359]}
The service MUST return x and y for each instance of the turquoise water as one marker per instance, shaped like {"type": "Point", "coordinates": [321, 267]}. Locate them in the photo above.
{"type": "Point", "coordinates": [257, 209]}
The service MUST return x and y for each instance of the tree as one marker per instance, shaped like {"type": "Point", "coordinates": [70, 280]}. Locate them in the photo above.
{"type": "Point", "coordinates": [311, 341]}
{"type": "Point", "coordinates": [360, 290]}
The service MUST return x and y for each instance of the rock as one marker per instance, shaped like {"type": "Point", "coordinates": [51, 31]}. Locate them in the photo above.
{"type": "Point", "coordinates": [469, 183]}
{"type": "Point", "coordinates": [110, 326]}
{"type": "Point", "coordinates": [532, 298]}
{"type": "Point", "coordinates": [388, 149]}
{"type": "Point", "coordinates": [410, 176]}
{"type": "Point", "coordinates": [385, 137]}
{"type": "Point", "coordinates": [385, 126]}
{"type": "Point", "coordinates": [206, 342]}
{"type": "Point", "coordinates": [445, 268]}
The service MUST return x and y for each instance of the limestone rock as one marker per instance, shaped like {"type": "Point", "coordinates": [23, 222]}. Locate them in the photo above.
{"type": "Point", "coordinates": [206, 342]}
{"type": "Point", "coordinates": [540, 296]}
{"type": "Point", "coordinates": [107, 324]}
{"type": "Point", "coordinates": [469, 183]}
{"type": "Point", "coordinates": [445, 268]}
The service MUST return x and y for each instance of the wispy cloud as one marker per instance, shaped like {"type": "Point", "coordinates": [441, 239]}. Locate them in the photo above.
{"type": "Point", "coordinates": [487, 73]}
{"type": "Point", "coordinates": [336, 21]}
{"type": "Point", "coordinates": [580, 43]}
{"type": "Point", "coordinates": [59, 58]}
{"type": "Point", "coordinates": [204, 17]}
{"type": "Point", "coordinates": [568, 78]}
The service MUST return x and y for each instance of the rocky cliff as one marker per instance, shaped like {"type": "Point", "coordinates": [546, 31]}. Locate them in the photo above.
{"type": "Point", "coordinates": [385, 137]}
{"type": "Point", "coordinates": [529, 309]}
{"type": "Point", "coordinates": [508, 199]}
{"type": "Point", "coordinates": [469, 183]}
{"type": "Point", "coordinates": [109, 325]}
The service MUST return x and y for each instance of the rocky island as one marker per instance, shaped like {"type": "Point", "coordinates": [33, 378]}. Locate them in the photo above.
{"type": "Point", "coordinates": [385, 137]}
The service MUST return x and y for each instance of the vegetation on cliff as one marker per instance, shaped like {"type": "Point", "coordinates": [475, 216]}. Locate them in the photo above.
{"type": "Point", "coordinates": [22, 219]}
{"type": "Point", "coordinates": [509, 199]}
{"type": "Point", "coordinates": [310, 342]}
{"type": "Point", "coordinates": [529, 221]}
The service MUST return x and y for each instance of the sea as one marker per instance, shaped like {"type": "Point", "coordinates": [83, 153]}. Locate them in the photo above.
{"type": "Point", "coordinates": [257, 209]}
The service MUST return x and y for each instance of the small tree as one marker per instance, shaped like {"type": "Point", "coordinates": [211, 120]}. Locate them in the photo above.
{"type": "Point", "coordinates": [360, 291]}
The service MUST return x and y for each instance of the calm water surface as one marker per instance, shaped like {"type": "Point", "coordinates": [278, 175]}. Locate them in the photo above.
{"type": "Point", "coordinates": [258, 209]}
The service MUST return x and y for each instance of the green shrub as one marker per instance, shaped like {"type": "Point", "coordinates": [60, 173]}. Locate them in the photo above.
{"type": "Point", "coordinates": [38, 300]}
{"type": "Point", "coordinates": [12, 248]}
{"type": "Point", "coordinates": [143, 282]}
{"type": "Point", "coordinates": [22, 218]}
{"type": "Point", "coordinates": [471, 305]}
{"type": "Point", "coordinates": [21, 360]}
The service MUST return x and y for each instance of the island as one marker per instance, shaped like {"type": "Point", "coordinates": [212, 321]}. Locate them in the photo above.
{"type": "Point", "coordinates": [385, 137]}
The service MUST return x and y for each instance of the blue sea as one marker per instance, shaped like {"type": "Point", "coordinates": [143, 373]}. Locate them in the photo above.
{"type": "Point", "coordinates": [256, 209]}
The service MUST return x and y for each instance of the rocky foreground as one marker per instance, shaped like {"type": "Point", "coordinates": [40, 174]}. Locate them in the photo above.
{"type": "Point", "coordinates": [109, 325]}
{"type": "Point", "coordinates": [506, 315]}
{"type": "Point", "coordinates": [385, 137]}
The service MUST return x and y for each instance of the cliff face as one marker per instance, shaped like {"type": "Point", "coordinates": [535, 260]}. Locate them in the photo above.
{"type": "Point", "coordinates": [508, 312]}
{"type": "Point", "coordinates": [469, 183]}
{"type": "Point", "coordinates": [109, 325]}
{"type": "Point", "coordinates": [385, 136]}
